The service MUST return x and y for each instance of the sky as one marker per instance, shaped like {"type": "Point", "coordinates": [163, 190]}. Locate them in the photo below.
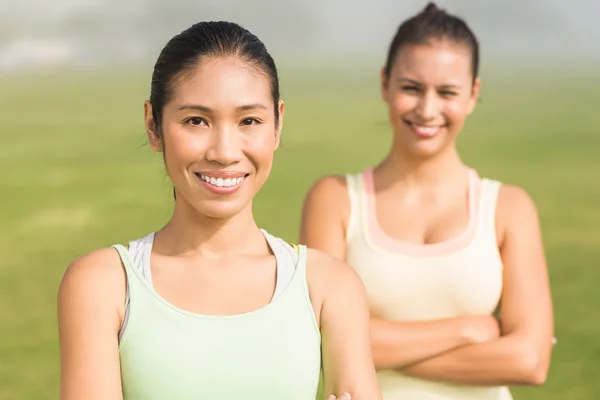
{"type": "Point", "coordinates": [42, 33]}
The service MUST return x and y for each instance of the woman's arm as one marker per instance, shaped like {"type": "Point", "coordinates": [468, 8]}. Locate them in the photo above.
{"type": "Point", "coordinates": [400, 344]}
{"type": "Point", "coordinates": [89, 318]}
{"type": "Point", "coordinates": [521, 356]}
{"type": "Point", "coordinates": [394, 344]}
{"type": "Point", "coordinates": [344, 321]}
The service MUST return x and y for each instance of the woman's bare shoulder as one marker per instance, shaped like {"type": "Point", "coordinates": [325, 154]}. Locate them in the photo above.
{"type": "Point", "coordinates": [329, 276]}
{"type": "Point", "coordinates": [97, 276]}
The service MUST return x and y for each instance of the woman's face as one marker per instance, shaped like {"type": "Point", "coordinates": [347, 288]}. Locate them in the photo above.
{"type": "Point", "coordinates": [219, 135]}
{"type": "Point", "coordinates": [430, 92]}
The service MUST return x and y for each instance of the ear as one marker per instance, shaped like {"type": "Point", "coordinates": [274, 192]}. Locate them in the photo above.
{"type": "Point", "coordinates": [474, 95]}
{"type": "Point", "coordinates": [152, 130]}
{"type": "Point", "coordinates": [281, 107]}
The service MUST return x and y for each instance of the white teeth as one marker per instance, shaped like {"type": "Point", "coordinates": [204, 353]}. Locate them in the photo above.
{"type": "Point", "coordinates": [426, 130]}
{"type": "Point", "coordinates": [220, 182]}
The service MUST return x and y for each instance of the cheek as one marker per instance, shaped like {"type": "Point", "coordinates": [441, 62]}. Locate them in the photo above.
{"type": "Point", "coordinates": [455, 111]}
{"type": "Point", "coordinates": [401, 103]}
{"type": "Point", "coordinates": [260, 147]}
{"type": "Point", "coordinates": [260, 140]}
{"type": "Point", "coordinates": [183, 145]}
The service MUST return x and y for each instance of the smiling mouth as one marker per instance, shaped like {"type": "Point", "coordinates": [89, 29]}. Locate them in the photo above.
{"type": "Point", "coordinates": [220, 182]}
{"type": "Point", "coordinates": [424, 130]}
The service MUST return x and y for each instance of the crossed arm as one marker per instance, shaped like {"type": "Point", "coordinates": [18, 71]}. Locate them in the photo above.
{"type": "Point", "coordinates": [470, 350]}
{"type": "Point", "coordinates": [521, 355]}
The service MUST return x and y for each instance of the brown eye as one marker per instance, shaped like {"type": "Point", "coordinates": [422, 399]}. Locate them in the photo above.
{"type": "Point", "coordinates": [249, 121]}
{"type": "Point", "coordinates": [447, 94]}
{"type": "Point", "coordinates": [196, 121]}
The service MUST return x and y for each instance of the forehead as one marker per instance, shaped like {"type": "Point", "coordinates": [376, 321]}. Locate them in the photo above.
{"type": "Point", "coordinates": [438, 62]}
{"type": "Point", "coordinates": [222, 82]}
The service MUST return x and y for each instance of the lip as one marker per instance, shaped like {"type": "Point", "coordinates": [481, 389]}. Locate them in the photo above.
{"type": "Point", "coordinates": [222, 174]}
{"type": "Point", "coordinates": [425, 131]}
{"type": "Point", "coordinates": [222, 177]}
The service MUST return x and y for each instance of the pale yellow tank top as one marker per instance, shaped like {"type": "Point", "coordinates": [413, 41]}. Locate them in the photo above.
{"type": "Point", "coordinates": [410, 282]}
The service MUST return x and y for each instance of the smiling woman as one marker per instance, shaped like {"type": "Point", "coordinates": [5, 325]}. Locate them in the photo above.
{"type": "Point", "coordinates": [211, 306]}
{"type": "Point", "coordinates": [439, 248]}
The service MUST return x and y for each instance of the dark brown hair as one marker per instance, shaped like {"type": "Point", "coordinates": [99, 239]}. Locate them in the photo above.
{"type": "Point", "coordinates": [433, 23]}
{"type": "Point", "coordinates": [205, 39]}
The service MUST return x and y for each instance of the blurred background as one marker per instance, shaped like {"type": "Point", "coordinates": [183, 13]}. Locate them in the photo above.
{"type": "Point", "coordinates": [76, 172]}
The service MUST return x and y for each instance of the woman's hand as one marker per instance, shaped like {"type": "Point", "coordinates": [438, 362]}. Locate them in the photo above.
{"type": "Point", "coordinates": [345, 396]}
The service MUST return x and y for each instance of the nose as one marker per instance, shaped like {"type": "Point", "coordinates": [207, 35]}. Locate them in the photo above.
{"type": "Point", "coordinates": [428, 106]}
{"type": "Point", "coordinates": [225, 146]}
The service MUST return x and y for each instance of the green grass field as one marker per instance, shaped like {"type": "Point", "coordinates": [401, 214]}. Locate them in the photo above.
{"type": "Point", "coordinates": [76, 174]}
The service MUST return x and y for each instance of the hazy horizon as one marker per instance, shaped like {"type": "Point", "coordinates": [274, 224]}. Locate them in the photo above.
{"type": "Point", "coordinates": [35, 34]}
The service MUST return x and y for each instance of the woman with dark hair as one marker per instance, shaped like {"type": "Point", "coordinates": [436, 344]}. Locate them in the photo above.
{"type": "Point", "coordinates": [211, 306]}
{"type": "Point", "coordinates": [436, 245]}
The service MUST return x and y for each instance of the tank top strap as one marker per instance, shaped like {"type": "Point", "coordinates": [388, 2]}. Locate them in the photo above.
{"type": "Point", "coordinates": [301, 251]}
{"type": "Point", "coordinates": [300, 261]}
{"type": "Point", "coordinates": [355, 189]}
{"type": "Point", "coordinates": [133, 274]}
{"type": "Point", "coordinates": [488, 198]}
{"type": "Point", "coordinates": [131, 277]}
{"type": "Point", "coordinates": [295, 248]}
{"type": "Point", "coordinates": [139, 254]}
{"type": "Point", "coordinates": [130, 268]}
{"type": "Point", "coordinates": [301, 269]}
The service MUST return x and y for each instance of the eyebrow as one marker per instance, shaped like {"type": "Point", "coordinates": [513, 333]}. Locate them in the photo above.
{"type": "Point", "coordinates": [208, 110]}
{"type": "Point", "coordinates": [417, 83]}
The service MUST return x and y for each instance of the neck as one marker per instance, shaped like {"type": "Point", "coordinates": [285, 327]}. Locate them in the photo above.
{"type": "Point", "coordinates": [410, 169]}
{"type": "Point", "coordinates": [188, 231]}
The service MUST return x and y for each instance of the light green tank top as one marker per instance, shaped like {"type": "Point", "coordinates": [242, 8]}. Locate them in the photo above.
{"type": "Point", "coordinates": [272, 353]}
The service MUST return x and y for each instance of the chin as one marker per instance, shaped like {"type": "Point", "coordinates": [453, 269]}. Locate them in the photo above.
{"type": "Point", "coordinates": [420, 147]}
{"type": "Point", "coordinates": [220, 209]}
{"type": "Point", "coordinates": [426, 150]}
